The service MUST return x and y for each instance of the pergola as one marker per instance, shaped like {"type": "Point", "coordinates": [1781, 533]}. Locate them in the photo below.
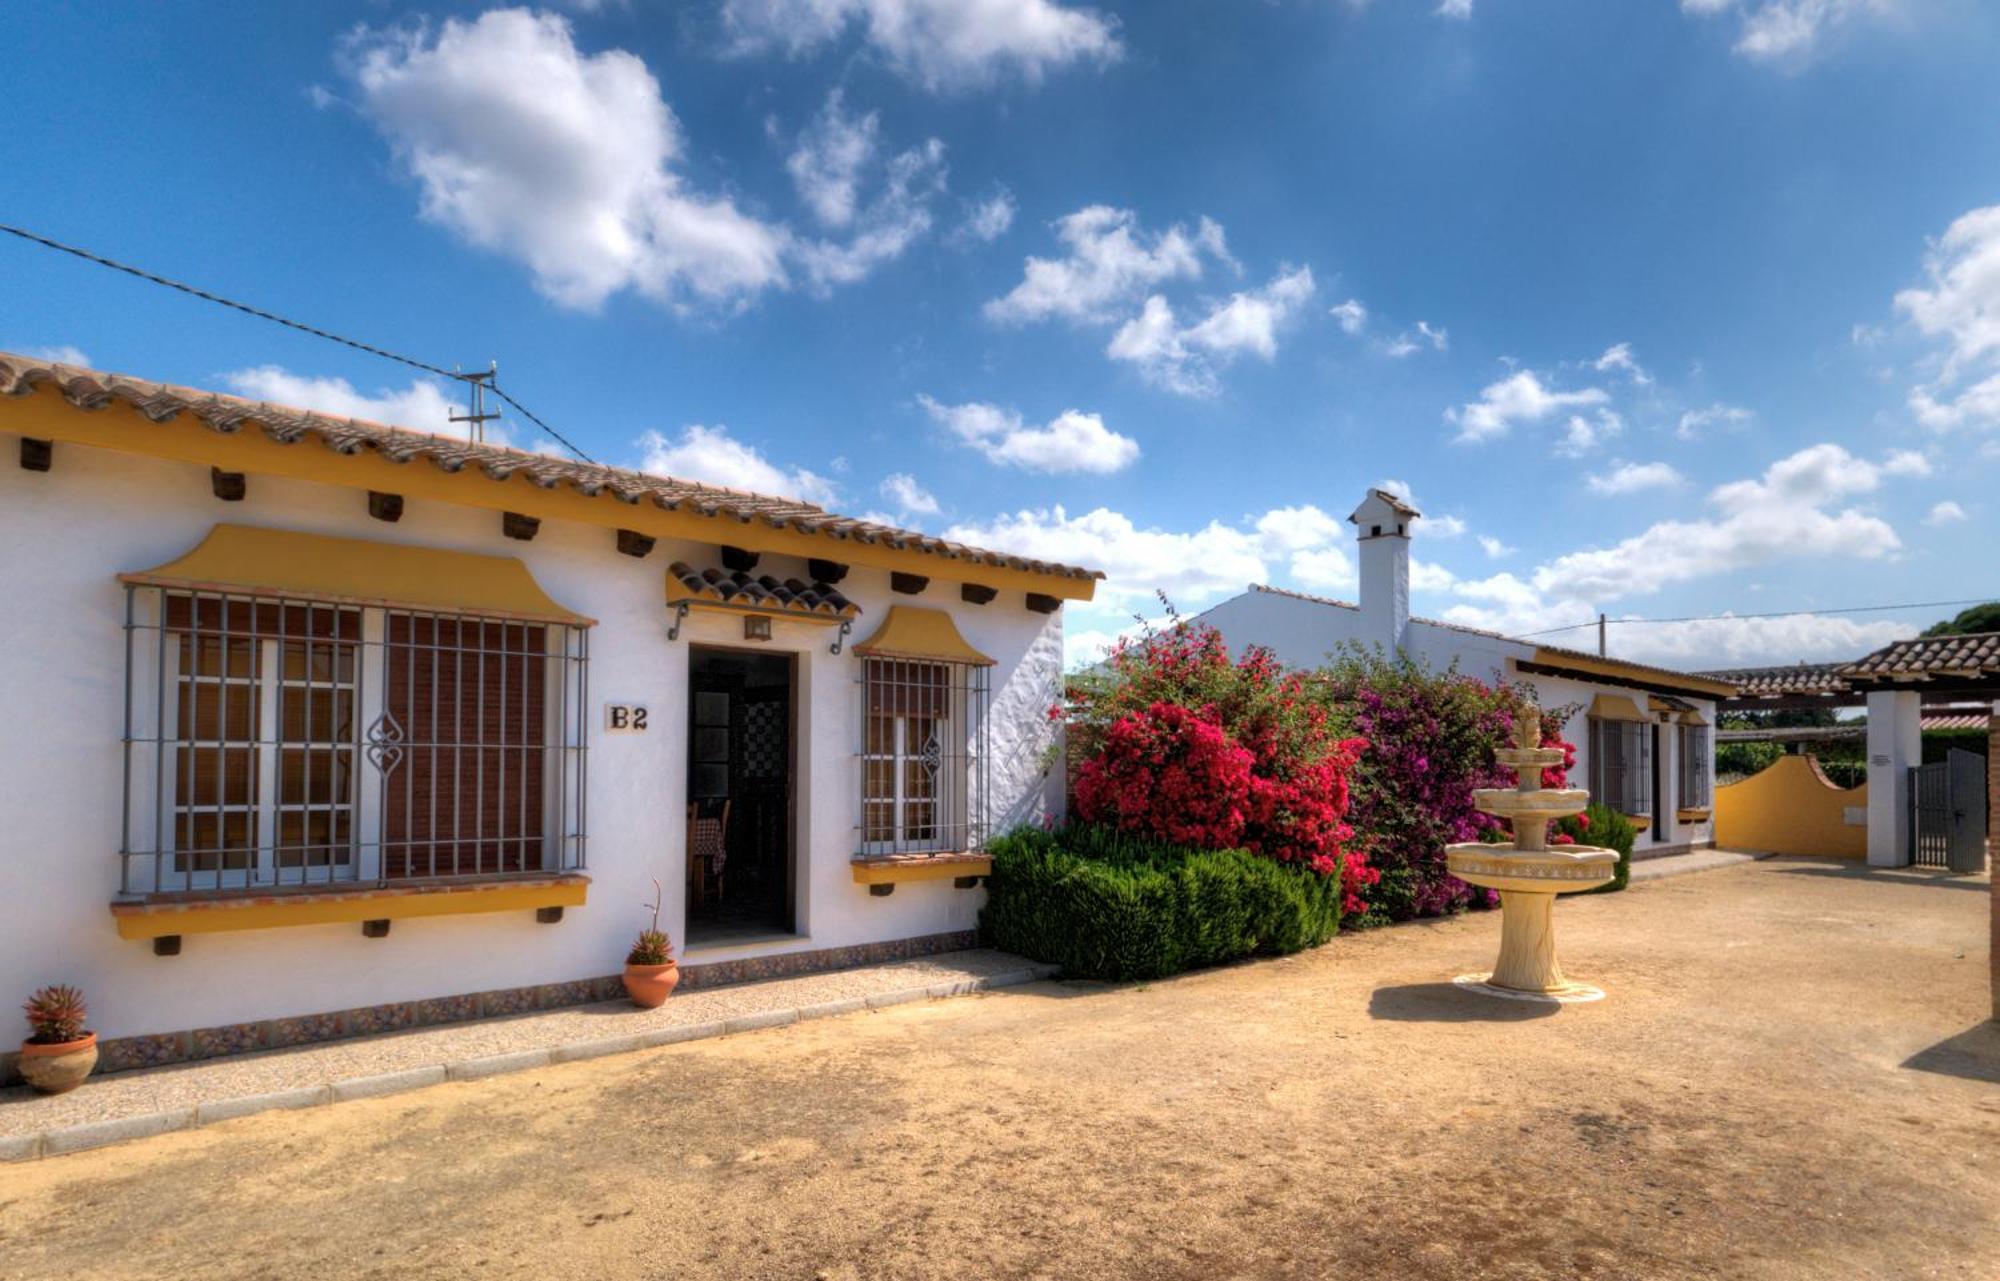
{"type": "Point", "coordinates": [1896, 684]}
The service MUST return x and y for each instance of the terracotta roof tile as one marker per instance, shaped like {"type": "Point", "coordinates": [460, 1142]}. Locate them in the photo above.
{"type": "Point", "coordinates": [90, 389]}
{"type": "Point", "coordinates": [1928, 656]}
{"type": "Point", "coordinates": [1794, 678]}
{"type": "Point", "coordinates": [762, 592]}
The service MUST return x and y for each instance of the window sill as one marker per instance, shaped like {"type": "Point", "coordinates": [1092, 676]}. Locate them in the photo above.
{"type": "Point", "coordinates": [893, 869]}
{"type": "Point", "coordinates": [258, 909]}
{"type": "Point", "coordinates": [1694, 815]}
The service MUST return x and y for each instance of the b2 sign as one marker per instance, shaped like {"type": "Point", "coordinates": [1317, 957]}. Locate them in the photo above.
{"type": "Point", "coordinates": [624, 718]}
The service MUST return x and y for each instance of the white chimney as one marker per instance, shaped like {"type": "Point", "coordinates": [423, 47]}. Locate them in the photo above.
{"type": "Point", "coordinates": [1382, 524]}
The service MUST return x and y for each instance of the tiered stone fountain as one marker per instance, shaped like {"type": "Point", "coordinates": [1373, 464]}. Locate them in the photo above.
{"type": "Point", "coordinates": [1529, 873]}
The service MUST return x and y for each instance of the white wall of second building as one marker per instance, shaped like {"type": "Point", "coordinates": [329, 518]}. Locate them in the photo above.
{"type": "Point", "coordinates": [70, 531]}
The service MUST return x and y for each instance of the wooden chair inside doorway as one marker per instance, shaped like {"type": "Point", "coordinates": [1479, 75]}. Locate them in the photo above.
{"type": "Point", "coordinates": [707, 849]}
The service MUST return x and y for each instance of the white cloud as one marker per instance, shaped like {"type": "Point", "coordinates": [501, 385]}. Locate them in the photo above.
{"type": "Point", "coordinates": [1696, 421]}
{"type": "Point", "coordinates": [1620, 357]}
{"type": "Point", "coordinates": [1191, 567]}
{"type": "Point", "coordinates": [1582, 435]}
{"type": "Point", "coordinates": [1962, 307]}
{"type": "Point", "coordinates": [1454, 9]}
{"type": "Point", "coordinates": [1787, 31]}
{"type": "Point", "coordinates": [1109, 260]}
{"type": "Point", "coordinates": [421, 406]}
{"type": "Point", "coordinates": [1426, 576]}
{"type": "Point", "coordinates": [714, 457]}
{"type": "Point", "coordinates": [1745, 642]}
{"type": "Point", "coordinates": [989, 219]}
{"type": "Point", "coordinates": [886, 227]}
{"type": "Point", "coordinates": [911, 499]}
{"type": "Point", "coordinates": [1906, 462]}
{"type": "Point", "coordinates": [1072, 441]}
{"type": "Point", "coordinates": [526, 146]}
{"type": "Point", "coordinates": [1946, 513]}
{"type": "Point", "coordinates": [1518, 398]}
{"type": "Point", "coordinates": [1439, 527]}
{"type": "Point", "coordinates": [1494, 548]}
{"type": "Point", "coordinates": [827, 162]}
{"type": "Point", "coordinates": [61, 354]}
{"type": "Point", "coordinates": [939, 44]}
{"type": "Point", "coordinates": [1353, 317]}
{"type": "Point", "coordinates": [1782, 514]}
{"type": "Point", "coordinates": [1633, 478]}
{"type": "Point", "coordinates": [1324, 569]}
{"type": "Point", "coordinates": [1186, 359]}
{"type": "Point", "coordinates": [1409, 342]}
{"type": "Point", "coordinates": [1293, 529]}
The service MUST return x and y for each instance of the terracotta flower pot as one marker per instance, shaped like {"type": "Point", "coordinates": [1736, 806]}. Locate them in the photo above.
{"type": "Point", "coordinates": [61, 1066]}
{"type": "Point", "coordinates": [650, 985]}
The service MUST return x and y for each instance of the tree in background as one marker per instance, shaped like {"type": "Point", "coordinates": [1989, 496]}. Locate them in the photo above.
{"type": "Point", "coordinates": [1980, 618]}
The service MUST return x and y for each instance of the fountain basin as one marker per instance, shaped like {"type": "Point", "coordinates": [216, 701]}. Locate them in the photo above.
{"type": "Point", "coordinates": [1561, 869]}
{"type": "Point", "coordinates": [1549, 803]}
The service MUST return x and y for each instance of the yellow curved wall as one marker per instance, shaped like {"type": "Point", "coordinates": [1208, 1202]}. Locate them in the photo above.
{"type": "Point", "coordinates": [1790, 808]}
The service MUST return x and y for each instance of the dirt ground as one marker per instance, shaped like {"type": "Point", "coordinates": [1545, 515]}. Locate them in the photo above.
{"type": "Point", "coordinates": [1792, 1077]}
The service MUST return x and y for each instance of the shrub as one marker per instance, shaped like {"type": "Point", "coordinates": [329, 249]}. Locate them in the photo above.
{"type": "Point", "coordinates": [55, 1015]}
{"type": "Point", "coordinates": [1107, 904]}
{"type": "Point", "coordinates": [1431, 738]}
{"type": "Point", "coordinates": [1176, 741]}
{"type": "Point", "coordinates": [1605, 828]}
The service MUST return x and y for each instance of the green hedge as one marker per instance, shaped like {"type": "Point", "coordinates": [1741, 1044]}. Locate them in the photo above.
{"type": "Point", "coordinates": [1608, 830]}
{"type": "Point", "coordinates": [1105, 905]}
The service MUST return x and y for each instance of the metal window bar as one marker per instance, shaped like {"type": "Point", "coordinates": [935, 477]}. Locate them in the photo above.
{"type": "Point", "coordinates": [1697, 789]}
{"type": "Point", "coordinates": [923, 764]}
{"type": "Point", "coordinates": [287, 743]}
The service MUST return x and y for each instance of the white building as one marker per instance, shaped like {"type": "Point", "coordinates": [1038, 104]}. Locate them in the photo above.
{"type": "Point", "coordinates": [317, 727]}
{"type": "Point", "coordinates": [1644, 740]}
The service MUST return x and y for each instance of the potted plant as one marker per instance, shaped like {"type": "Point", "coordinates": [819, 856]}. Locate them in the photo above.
{"type": "Point", "coordinates": [59, 1053]}
{"type": "Point", "coordinates": [651, 973]}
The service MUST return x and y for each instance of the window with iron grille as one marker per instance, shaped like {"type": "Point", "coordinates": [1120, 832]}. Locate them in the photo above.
{"type": "Point", "coordinates": [923, 756]}
{"type": "Point", "coordinates": [1621, 765]}
{"type": "Point", "coordinates": [1697, 784]}
{"type": "Point", "coordinates": [274, 742]}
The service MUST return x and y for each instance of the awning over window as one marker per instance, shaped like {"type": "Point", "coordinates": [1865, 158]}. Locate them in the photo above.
{"type": "Point", "coordinates": [1616, 707]}
{"type": "Point", "coordinates": [282, 562]}
{"type": "Point", "coordinates": [911, 632]}
{"type": "Point", "coordinates": [1682, 711]}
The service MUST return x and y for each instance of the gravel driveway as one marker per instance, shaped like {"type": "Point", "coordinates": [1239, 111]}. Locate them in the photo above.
{"type": "Point", "coordinates": [1792, 1077]}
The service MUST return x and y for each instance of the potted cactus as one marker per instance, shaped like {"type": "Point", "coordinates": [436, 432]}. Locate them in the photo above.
{"type": "Point", "coordinates": [651, 973]}
{"type": "Point", "coordinates": [58, 1053]}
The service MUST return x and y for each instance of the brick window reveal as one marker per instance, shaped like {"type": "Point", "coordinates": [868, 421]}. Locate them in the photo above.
{"type": "Point", "coordinates": [273, 742]}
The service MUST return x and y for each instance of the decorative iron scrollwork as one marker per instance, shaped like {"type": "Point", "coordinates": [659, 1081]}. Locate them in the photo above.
{"type": "Point", "coordinates": [385, 744]}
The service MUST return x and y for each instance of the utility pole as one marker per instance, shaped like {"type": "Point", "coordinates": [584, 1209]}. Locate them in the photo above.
{"type": "Point", "coordinates": [479, 417]}
{"type": "Point", "coordinates": [1600, 636]}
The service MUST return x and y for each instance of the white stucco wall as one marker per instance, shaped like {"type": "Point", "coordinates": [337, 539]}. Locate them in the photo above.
{"type": "Point", "coordinates": [68, 532]}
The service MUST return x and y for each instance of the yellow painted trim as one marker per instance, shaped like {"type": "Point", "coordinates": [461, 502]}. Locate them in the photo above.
{"type": "Point", "coordinates": [46, 415]}
{"type": "Point", "coordinates": [913, 632]}
{"type": "Point", "coordinates": [918, 868]}
{"type": "Point", "coordinates": [359, 571]}
{"type": "Point", "coordinates": [1702, 686]}
{"type": "Point", "coordinates": [208, 916]}
{"type": "Point", "coordinates": [1616, 707]}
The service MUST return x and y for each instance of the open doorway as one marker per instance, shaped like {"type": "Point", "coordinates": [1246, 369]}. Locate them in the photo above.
{"type": "Point", "coordinates": [742, 861]}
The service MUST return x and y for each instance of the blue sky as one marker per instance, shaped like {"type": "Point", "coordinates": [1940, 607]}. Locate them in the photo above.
{"type": "Point", "coordinates": [1659, 309]}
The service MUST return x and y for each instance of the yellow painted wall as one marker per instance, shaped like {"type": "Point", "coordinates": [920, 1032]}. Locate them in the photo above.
{"type": "Point", "coordinates": [1790, 808]}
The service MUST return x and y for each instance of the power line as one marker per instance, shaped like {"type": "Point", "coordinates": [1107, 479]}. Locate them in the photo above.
{"type": "Point", "coordinates": [372, 350]}
{"type": "Point", "coordinates": [1779, 613]}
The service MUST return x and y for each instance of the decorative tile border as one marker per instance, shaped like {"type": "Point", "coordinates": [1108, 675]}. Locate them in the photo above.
{"type": "Point", "coordinates": [122, 1053]}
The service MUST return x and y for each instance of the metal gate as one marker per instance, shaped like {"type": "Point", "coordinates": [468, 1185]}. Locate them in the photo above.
{"type": "Point", "coordinates": [1948, 812]}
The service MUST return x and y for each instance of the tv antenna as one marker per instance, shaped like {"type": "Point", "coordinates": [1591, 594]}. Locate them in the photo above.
{"type": "Point", "coordinates": [479, 383]}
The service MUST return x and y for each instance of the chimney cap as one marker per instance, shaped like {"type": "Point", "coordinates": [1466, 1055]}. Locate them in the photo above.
{"type": "Point", "coordinates": [1381, 507]}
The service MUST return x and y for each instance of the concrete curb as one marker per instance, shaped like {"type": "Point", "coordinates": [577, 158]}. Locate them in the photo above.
{"type": "Point", "coordinates": [94, 1134]}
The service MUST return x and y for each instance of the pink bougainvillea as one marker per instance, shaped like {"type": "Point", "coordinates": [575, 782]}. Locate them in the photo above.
{"type": "Point", "coordinates": [1178, 741]}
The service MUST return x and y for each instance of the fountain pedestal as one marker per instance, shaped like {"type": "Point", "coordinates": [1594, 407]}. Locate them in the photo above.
{"type": "Point", "coordinates": [1529, 874]}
